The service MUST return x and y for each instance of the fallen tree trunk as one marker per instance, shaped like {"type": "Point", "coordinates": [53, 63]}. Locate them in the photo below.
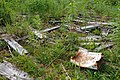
{"type": "Point", "coordinates": [17, 47]}
{"type": "Point", "coordinates": [12, 73]}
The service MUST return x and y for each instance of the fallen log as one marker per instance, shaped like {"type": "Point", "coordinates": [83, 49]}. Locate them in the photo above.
{"type": "Point", "coordinates": [17, 47]}
{"type": "Point", "coordinates": [38, 33]}
{"type": "Point", "coordinates": [100, 23]}
{"type": "Point", "coordinates": [89, 43]}
{"type": "Point", "coordinates": [22, 38]}
{"type": "Point", "coordinates": [103, 46]}
{"type": "Point", "coordinates": [11, 72]}
{"type": "Point", "coordinates": [89, 27]}
{"type": "Point", "coordinates": [105, 32]}
{"type": "Point", "coordinates": [10, 41]}
{"type": "Point", "coordinates": [50, 29]}
{"type": "Point", "coordinates": [91, 38]}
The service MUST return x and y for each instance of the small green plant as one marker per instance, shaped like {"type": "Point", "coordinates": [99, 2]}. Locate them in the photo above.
{"type": "Point", "coordinates": [71, 41]}
{"type": "Point", "coordinates": [97, 31]}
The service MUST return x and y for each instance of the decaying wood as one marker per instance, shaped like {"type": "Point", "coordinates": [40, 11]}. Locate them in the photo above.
{"type": "Point", "coordinates": [78, 30]}
{"type": "Point", "coordinates": [50, 29]}
{"type": "Point", "coordinates": [90, 27]}
{"type": "Point", "coordinates": [55, 21]}
{"type": "Point", "coordinates": [100, 23]}
{"type": "Point", "coordinates": [17, 47]}
{"type": "Point", "coordinates": [38, 33]}
{"type": "Point", "coordinates": [69, 78]}
{"type": "Point", "coordinates": [105, 32]}
{"type": "Point", "coordinates": [12, 73]}
{"type": "Point", "coordinates": [90, 38]}
{"type": "Point", "coordinates": [89, 22]}
{"type": "Point", "coordinates": [12, 43]}
{"type": "Point", "coordinates": [90, 43]}
{"type": "Point", "coordinates": [87, 59]}
{"type": "Point", "coordinates": [103, 46]}
{"type": "Point", "coordinates": [22, 38]}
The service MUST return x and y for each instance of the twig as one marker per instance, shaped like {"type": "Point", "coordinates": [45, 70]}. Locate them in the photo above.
{"type": "Point", "coordinates": [22, 38]}
{"type": "Point", "coordinates": [10, 50]}
{"type": "Point", "coordinates": [66, 72]}
{"type": "Point", "coordinates": [50, 29]}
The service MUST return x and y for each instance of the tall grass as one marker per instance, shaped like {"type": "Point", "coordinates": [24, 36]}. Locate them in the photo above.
{"type": "Point", "coordinates": [48, 8]}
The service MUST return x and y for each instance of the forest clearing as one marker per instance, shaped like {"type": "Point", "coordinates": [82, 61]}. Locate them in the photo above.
{"type": "Point", "coordinates": [59, 40]}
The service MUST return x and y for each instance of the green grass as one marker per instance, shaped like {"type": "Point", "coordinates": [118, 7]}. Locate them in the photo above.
{"type": "Point", "coordinates": [44, 60]}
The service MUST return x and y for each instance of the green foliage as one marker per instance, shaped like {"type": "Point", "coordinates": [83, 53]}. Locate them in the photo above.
{"type": "Point", "coordinates": [96, 31]}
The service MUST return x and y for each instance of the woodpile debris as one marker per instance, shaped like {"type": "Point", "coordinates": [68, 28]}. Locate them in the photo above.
{"type": "Point", "coordinates": [13, 44]}
{"type": "Point", "coordinates": [83, 58]}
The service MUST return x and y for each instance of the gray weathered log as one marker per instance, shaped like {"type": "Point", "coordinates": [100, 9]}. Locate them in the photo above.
{"type": "Point", "coordinates": [11, 72]}
{"type": "Point", "coordinates": [90, 43]}
{"type": "Point", "coordinates": [22, 38]}
{"type": "Point", "coordinates": [90, 27]}
{"type": "Point", "coordinates": [103, 46]}
{"type": "Point", "coordinates": [50, 29]}
{"type": "Point", "coordinates": [105, 32]}
{"type": "Point", "coordinates": [55, 21]}
{"type": "Point", "coordinates": [92, 22]}
{"type": "Point", "coordinates": [103, 23]}
{"type": "Point", "coordinates": [91, 38]}
{"type": "Point", "coordinates": [17, 47]}
{"type": "Point", "coordinates": [38, 33]}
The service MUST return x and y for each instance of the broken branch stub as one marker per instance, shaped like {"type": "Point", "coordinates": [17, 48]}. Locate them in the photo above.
{"type": "Point", "coordinates": [86, 59]}
{"type": "Point", "coordinates": [11, 72]}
